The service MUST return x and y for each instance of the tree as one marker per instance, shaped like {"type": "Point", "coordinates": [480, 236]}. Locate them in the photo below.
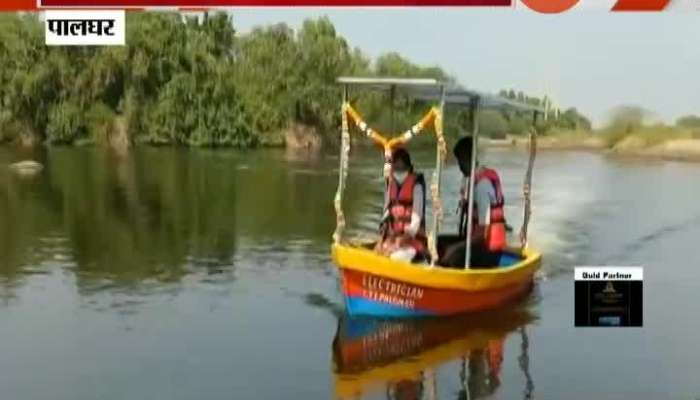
{"type": "Point", "coordinates": [689, 121]}
{"type": "Point", "coordinates": [323, 56]}
{"type": "Point", "coordinates": [268, 76]}
{"type": "Point", "coordinates": [627, 118]}
{"type": "Point", "coordinates": [198, 82]}
{"type": "Point", "coordinates": [492, 124]}
{"type": "Point", "coordinates": [571, 119]}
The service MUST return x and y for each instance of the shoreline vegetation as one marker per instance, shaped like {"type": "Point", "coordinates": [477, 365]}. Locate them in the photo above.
{"type": "Point", "coordinates": [628, 134]}
{"type": "Point", "coordinates": [195, 81]}
{"type": "Point", "coordinates": [633, 146]}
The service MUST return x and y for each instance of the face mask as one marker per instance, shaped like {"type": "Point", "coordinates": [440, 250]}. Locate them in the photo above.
{"type": "Point", "coordinates": [400, 176]}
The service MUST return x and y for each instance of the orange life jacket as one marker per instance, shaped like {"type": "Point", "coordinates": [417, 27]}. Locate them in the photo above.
{"type": "Point", "coordinates": [401, 207]}
{"type": "Point", "coordinates": [496, 232]}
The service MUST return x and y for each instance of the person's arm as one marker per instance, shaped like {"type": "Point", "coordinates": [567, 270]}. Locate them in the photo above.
{"type": "Point", "coordinates": [483, 193]}
{"type": "Point", "coordinates": [417, 212]}
{"type": "Point", "coordinates": [463, 191]}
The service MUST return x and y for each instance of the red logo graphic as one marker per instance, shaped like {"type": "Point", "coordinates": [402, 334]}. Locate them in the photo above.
{"type": "Point", "coordinates": [640, 5]}
{"type": "Point", "coordinates": [550, 6]}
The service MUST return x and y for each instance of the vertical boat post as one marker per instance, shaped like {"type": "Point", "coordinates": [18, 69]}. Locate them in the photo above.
{"type": "Point", "coordinates": [437, 209]}
{"type": "Point", "coordinates": [342, 170]}
{"type": "Point", "coordinates": [527, 183]}
{"type": "Point", "coordinates": [474, 107]}
{"type": "Point", "coordinates": [392, 99]}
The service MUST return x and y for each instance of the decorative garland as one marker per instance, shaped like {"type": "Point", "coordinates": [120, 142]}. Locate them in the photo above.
{"type": "Point", "coordinates": [343, 173]}
{"type": "Point", "coordinates": [435, 186]}
{"type": "Point", "coordinates": [527, 184]}
{"type": "Point", "coordinates": [433, 116]}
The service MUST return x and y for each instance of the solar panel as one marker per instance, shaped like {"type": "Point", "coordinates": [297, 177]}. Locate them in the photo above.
{"type": "Point", "coordinates": [431, 90]}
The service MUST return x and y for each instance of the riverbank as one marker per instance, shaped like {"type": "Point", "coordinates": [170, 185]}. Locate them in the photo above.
{"type": "Point", "coordinates": [676, 145]}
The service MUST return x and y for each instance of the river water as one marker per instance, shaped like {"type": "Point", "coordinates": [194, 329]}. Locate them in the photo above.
{"type": "Point", "coordinates": [201, 274]}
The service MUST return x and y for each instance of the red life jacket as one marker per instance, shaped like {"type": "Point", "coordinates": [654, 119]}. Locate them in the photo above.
{"type": "Point", "coordinates": [496, 232]}
{"type": "Point", "coordinates": [401, 207]}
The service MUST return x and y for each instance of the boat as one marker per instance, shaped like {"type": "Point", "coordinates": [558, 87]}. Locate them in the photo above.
{"type": "Point", "coordinates": [375, 285]}
{"type": "Point", "coordinates": [371, 355]}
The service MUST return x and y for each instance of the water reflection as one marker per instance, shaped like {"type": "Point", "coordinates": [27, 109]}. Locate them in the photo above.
{"type": "Point", "coordinates": [182, 273]}
{"type": "Point", "coordinates": [399, 358]}
{"type": "Point", "coordinates": [157, 215]}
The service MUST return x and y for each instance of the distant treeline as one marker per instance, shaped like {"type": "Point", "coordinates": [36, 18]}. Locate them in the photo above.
{"type": "Point", "coordinates": [631, 121]}
{"type": "Point", "coordinates": [196, 81]}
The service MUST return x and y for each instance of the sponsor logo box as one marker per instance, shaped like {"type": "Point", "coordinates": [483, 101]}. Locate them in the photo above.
{"type": "Point", "coordinates": [608, 296]}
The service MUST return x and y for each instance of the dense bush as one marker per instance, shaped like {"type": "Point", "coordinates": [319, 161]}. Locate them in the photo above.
{"type": "Point", "coordinates": [195, 81]}
{"type": "Point", "coordinates": [689, 121]}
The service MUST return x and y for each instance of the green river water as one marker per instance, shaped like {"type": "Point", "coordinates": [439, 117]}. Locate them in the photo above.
{"type": "Point", "coordinates": [206, 274]}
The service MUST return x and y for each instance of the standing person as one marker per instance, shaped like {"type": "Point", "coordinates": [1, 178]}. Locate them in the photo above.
{"type": "Point", "coordinates": [488, 223]}
{"type": "Point", "coordinates": [403, 219]}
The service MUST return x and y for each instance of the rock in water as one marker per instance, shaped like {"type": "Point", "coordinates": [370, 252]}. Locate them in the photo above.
{"type": "Point", "coordinates": [26, 167]}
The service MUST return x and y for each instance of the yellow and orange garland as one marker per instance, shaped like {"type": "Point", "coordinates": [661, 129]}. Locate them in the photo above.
{"type": "Point", "coordinates": [432, 117]}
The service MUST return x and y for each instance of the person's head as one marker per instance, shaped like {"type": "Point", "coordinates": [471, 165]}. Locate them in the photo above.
{"type": "Point", "coordinates": [463, 154]}
{"type": "Point", "coordinates": [401, 164]}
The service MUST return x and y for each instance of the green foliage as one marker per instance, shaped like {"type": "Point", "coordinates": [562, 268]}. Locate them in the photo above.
{"type": "Point", "coordinates": [65, 123]}
{"type": "Point", "coordinates": [265, 83]}
{"type": "Point", "coordinates": [492, 124]}
{"type": "Point", "coordinates": [627, 118]}
{"type": "Point", "coordinates": [648, 135]}
{"type": "Point", "coordinates": [518, 126]}
{"type": "Point", "coordinates": [520, 122]}
{"type": "Point", "coordinates": [623, 122]}
{"type": "Point", "coordinates": [571, 119]}
{"type": "Point", "coordinates": [99, 119]}
{"type": "Point", "coordinates": [172, 84]}
{"type": "Point", "coordinates": [630, 122]}
{"type": "Point", "coordinates": [200, 112]}
{"type": "Point", "coordinates": [689, 121]}
{"type": "Point", "coordinates": [196, 82]}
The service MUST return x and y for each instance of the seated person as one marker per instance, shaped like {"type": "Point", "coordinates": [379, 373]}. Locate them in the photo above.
{"type": "Point", "coordinates": [488, 222]}
{"type": "Point", "coordinates": [403, 219]}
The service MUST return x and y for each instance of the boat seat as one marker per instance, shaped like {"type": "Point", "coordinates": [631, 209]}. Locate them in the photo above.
{"type": "Point", "coordinates": [508, 259]}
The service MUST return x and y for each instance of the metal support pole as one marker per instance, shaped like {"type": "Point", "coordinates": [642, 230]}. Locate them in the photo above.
{"type": "Point", "coordinates": [392, 99]}
{"type": "Point", "coordinates": [438, 177]}
{"type": "Point", "coordinates": [470, 205]}
{"type": "Point", "coordinates": [527, 183]}
{"type": "Point", "coordinates": [342, 173]}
